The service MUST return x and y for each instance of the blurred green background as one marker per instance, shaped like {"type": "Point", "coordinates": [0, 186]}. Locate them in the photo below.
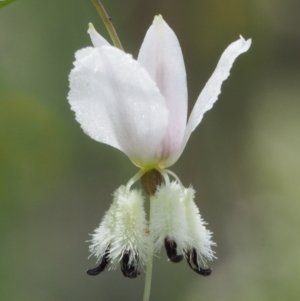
{"type": "Point", "coordinates": [243, 160]}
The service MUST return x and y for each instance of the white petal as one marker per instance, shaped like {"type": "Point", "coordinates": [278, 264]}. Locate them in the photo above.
{"type": "Point", "coordinates": [117, 103]}
{"type": "Point", "coordinates": [161, 55]}
{"type": "Point", "coordinates": [210, 93]}
{"type": "Point", "coordinates": [212, 89]}
{"type": "Point", "coordinates": [96, 38]}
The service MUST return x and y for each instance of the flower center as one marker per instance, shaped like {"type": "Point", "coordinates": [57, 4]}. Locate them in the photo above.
{"type": "Point", "coordinates": [151, 180]}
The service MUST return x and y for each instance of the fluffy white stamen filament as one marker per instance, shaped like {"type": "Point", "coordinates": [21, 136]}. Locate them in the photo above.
{"type": "Point", "coordinates": [177, 218]}
{"type": "Point", "coordinates": [123, 229]}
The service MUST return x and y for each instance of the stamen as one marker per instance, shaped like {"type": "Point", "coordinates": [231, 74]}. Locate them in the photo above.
{"type": "Point", "coordinates": [174, 176]}
{"type": "Point", "coordinates": [128, 270]}
{"type": "Point", "coordinates": [101, 267]}
{"type": "Point", "coordinates": [171, 249]}
{"type": "Point", "coordinates": [166, 178]}
{"type": "Point", "coordinates": [135, 178]}
{"type": "Point", "coordinates": [192, 261]}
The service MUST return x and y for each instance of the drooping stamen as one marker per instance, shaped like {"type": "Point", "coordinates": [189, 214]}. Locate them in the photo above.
{"type": "Point", "coordinates": [192, 261]}
{"type": "Point", "coordinates": [150, 180]}
{"type": "Point", "coordinates": [174, 176]}
{"type": "Point", "coordinates": [101, 267]}
{"type": "Point", "coordinates": [171, 249]}
{"type": "Point", "coordinates": [128, 270]}
{"type": "Point", "coordinates": [136, 177]}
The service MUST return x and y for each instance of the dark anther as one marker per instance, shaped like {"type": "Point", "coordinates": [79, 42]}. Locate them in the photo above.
{"type": "Point", "coordinates": [150, 180]}
{"type": "Point", "coordinates": [101, 267]}
{"type": "Point", "coordinates": [171, 249]}
{"type": "Point", "coordinates": [192, 261]}
{"type": "Point", "coordinates": [128, 270]}
{"type": "Point", "coordinates": [205, 272]}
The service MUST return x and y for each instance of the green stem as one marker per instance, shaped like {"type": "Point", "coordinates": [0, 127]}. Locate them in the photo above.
{"type": "Point", "coordinates": [107, 22]}
{"type": "Point", "coordinates": [149, 263]}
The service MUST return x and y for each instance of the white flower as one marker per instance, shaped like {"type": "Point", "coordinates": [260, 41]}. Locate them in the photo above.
{"type": "Point", "coordinates": [140, 107]}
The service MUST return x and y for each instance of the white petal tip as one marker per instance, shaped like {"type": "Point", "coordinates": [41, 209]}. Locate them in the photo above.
{"type": "Point", "coordinates": [96, 38]}
{"type": "Point", "coordinates": [158, 19]}
{"type": "Point", "coordinates": [91, 28]}
{"type": "Point", "coordinates": [245, 44]}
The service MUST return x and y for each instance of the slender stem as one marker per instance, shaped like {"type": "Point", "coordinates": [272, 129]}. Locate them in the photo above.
{"type": "Point", "coordinates": [107, 22]}
{"type": "Point", "coordinates": [149, 263]}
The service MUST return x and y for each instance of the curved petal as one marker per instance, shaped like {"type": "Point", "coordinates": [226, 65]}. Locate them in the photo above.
{"type": "Point", "coordinates": [117, 103]}
{"type": "Point", "coordinates": [96, 38]}
{"type": "Point", "coordinates": [212, 89]}
{"type": "Point", "coordinates": [161, 55]}
{"type": "Point", "coordinates": [209, 94]}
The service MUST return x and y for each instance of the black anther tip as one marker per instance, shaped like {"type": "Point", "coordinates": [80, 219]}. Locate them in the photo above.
{"type": "Point", "coordinates": [128, 270]}
{"type": "Point", "coordinates": [101, 267]}
{"type": "Point", "coordinates": [95, 271]}
{"type": "Point", "coordinates": [205, 272]}
{"type": "Point", "coordinates": [193, 263]}
{"type": "Point", "coordinates": [171, 249]}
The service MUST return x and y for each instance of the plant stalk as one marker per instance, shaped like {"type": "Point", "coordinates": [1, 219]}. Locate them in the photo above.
{"type": "Point", "coordinates": [108, 24]}
{"type": "Point", "coordinates": [149, 263]}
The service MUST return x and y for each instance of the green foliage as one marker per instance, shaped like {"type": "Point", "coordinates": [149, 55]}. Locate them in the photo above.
{"type": "Point", "coordinates": [5, 2]}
